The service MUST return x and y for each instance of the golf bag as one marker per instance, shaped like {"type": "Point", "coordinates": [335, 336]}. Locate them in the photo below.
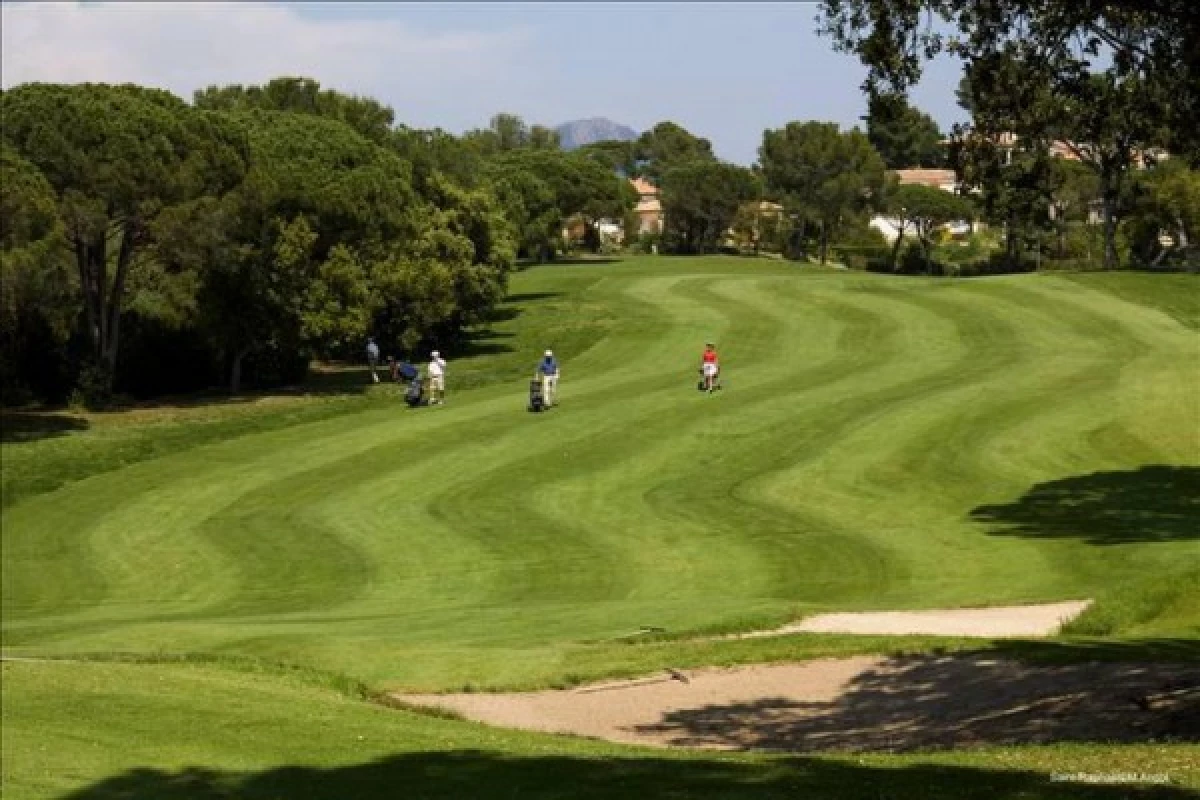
{"type": "Point", "coordinates": [415, 395]}
{"type": "Point", "coordinates": [537, 401]}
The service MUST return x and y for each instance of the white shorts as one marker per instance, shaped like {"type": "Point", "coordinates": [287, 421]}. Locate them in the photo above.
{"type": "Point", "coordinates": [710, 370]}
{"type": "Point", "coordinates": [437, 383]}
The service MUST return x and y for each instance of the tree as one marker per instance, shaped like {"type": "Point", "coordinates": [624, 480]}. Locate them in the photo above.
{"type": "Point", "coordinates": [452, 273]}
{"type": "Point", "coordinates": [925, 208]}
{"type": "Point", "coordinates": [904, 136]}
{"type": "Point", "coordinates": [37, 295]}
{"type": "Point", "coordinates": [288, 255]}
{"type": "Point", "coordinates": [433, 152]}
{"type": "Point", "coordinates": [302, 96]}
{"type": "Point", "coordinates": [700, 200]}
{"type": "Point", "coordinates": [1108, 123]}
{"type": "Point", "coordinates": [1057, 39]}
{"type": "Point", "coordinates": [508, 132]}
{"type": "Point", "coordinates": [1105, 120]}
{"type": "Point", "coordinates": [822, 174]}
{"type": "Point", "coordinates": [531, 206]}
{"type": "Point", "coordinates": [668, 145]}
{"type": "Point", "coordinates": [1016, 183]}
{"type": "Point", "coordinates": [1165, 221]}
{"type": "Point", "coordinates": [619, 156]}
{"type": "Point", "coordinates": [117, 156]}
{"type": "Point", "coordinates": [580, 185]}
{"type": "Point", "coordinates": [963, 94]}
{"type": "Point", "coordinates": [1076, 191]}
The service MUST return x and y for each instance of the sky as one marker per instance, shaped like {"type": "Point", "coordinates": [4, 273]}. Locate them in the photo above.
{"type": "Point", "coordinates": [724, 71]}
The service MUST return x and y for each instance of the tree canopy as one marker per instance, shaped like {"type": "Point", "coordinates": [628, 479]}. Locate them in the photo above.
{"type": "Point", "coordinates": [822, 174]}
{"type": "Point", "coordinates": [904, 136]}
{"type": "Point", "coordinates": [925, 208]}
{"type": "Point", "coordinates": [701, 199]}
{"type": "Point", "coordinates": [1057, 40]}
{"type": "Point", "coordinates": [117, 158]}
{"type": "Point", "coordinates": [668, 145]}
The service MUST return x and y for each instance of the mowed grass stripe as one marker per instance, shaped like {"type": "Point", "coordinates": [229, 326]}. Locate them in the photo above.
{"type": "Point", "coordinates": [864, 419]}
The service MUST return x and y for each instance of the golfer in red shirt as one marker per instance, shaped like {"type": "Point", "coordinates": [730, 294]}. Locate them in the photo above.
{"type": "Point", "coordinates": [709, 366]}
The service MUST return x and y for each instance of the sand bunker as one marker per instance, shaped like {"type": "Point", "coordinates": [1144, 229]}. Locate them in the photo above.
{"type": "Point", "coordinates": [871, 703]}
{"type": "Point", "coordinates": [993, 623]}
{"type": "Point", "coordinates": [862, 704]}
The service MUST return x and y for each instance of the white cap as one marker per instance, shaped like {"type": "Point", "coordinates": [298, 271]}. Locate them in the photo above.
{"type": "Point", "coordinates": [549, 353]}
{"type": "Point", "coordinates": [434, 354]}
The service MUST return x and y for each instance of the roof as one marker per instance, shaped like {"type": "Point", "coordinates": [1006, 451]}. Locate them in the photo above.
{"type": "Point", "coordinates": [936, 178]}
{"type": "Point", "coordinates": [643, 186]}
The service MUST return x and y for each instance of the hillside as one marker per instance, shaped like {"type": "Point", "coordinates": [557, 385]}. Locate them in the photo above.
{"type": "Point", "coordinates": [581, 132]}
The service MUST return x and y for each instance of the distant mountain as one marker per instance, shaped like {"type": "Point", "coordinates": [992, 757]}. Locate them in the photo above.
{"type": "Point", "coordinates": [572, 135]}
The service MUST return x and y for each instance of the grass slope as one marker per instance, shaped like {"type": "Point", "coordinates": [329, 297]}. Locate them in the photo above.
{"type": "Point", "coordinates": [881, 443]}
{"type": "Point", "coordinates": [191, 732]}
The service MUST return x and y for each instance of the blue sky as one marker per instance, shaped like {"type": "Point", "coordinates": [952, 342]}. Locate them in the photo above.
{"type": "Point", "coordinates": [725, 71]}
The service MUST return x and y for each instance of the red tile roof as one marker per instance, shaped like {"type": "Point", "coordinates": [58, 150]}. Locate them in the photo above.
{"type": "Point", "coordinates": [936, 178]}
{"type": "Point", "coordinates": [643, 186]}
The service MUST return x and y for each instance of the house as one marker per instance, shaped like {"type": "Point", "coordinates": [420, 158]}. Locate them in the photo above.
{"type": "Point", "coordinates": [944, 179]}
{"type": "Point", "coordinates": [649, 208]}
{"type": "Point", "coordinates": [1069, 151]}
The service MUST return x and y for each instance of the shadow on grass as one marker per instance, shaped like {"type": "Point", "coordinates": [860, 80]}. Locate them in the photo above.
{"type": "Point", "coordinates": [1076, 650]}
{"type": "Point", "coordinates": [529, 297]}
{"type": "Point", "coordinates": [921, 703]}
{"type": "Point", "coordinates": [20, 426]}
{"type": "Point", "coordinates": [481, 775]}
{"type": "Point", "coordinates": [1150, 504]}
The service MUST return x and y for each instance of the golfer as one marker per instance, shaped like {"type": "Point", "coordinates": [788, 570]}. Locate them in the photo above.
{"type": "Point", "coordinates": [373, 359]}
{"type": "Point", "coordinates": [709, 366]}
{"type": "Point", "coordinates": [548, 369]}
{"type": "Point", "coordinates": [437, 379]}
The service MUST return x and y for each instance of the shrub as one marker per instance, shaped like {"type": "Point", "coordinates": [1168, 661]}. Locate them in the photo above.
{"type": "Point", "coordinates": [860, 247]}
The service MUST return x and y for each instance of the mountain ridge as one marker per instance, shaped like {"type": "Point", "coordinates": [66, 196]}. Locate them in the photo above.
{"type": "Point", "coordinates": [579, 132]}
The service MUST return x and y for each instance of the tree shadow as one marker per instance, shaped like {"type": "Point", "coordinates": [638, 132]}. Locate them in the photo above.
{"type": "Point", "coordinates": [1151, 504]}
{"type": "Point", "coordinates": [481, 775]}
{"type": "Point", "coordinates": [570, 261]}
{"type": "Point", "coordinates": [30, 426]}
{"type": "Point", "coordinates": [530, 297]}
{"type": "Point", "coordinates": [932, 703]}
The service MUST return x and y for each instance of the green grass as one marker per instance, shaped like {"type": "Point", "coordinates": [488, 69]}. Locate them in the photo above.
{"type": "Point", "coordinates": [192, 732]}
{"type": "Point", "coordinates": [881, 443]}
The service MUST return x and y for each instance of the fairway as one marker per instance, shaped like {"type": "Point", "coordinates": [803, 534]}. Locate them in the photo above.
{"type": "Point", "coordinates": [880, 443]}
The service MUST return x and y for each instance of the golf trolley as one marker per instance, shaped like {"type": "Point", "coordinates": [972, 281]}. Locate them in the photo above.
{"type": "Point", "coordinates": [716, 381]}
{"type": "Point", "coordinates": [415, 395]}
{"type": "Point", "coordinates": [537, 399]}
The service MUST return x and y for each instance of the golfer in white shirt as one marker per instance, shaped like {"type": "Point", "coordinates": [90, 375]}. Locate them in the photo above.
{"type": "Point", "coordinates": [437, 378]}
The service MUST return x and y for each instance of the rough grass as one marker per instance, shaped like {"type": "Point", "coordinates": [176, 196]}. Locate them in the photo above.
{"type": "Point", "coordinates": [199, 732]}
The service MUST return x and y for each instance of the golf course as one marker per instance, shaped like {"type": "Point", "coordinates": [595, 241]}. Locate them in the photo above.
{"type": "Point", "coordinates": [216, 598]}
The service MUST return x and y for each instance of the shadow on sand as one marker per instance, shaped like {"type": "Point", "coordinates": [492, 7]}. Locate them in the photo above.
{"type": "Point", "coordinates": [923, 703]}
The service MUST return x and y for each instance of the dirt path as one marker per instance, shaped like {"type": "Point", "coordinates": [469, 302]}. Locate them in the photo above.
{"type": "Point", "coordinates": [862, 704]}
{"type": "Point", "coordinates": [992, 623]}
